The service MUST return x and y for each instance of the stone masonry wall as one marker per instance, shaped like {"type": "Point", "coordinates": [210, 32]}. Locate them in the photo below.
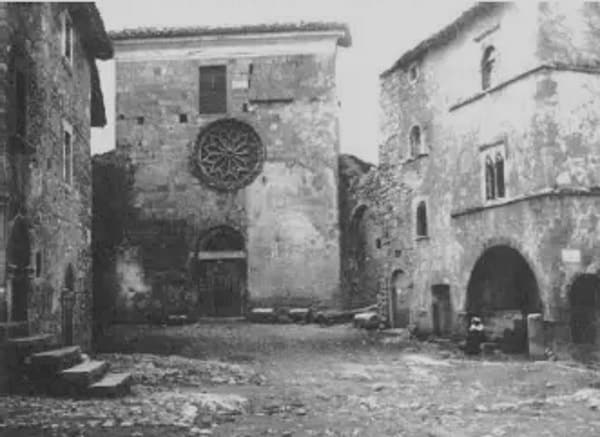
{"type": "Point", "coordinates": [544, 118]}
{"type": "Point", "coordinates": [57, 214]}
{"type": "Point", "coordinates": [288, 216]}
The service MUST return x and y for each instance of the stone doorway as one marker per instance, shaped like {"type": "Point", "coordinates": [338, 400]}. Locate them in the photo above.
{"type": "Point", "coordinates": [399, 303]}
{"type": "Point", "coordinates": [19, 269]}
{"type": "Point", "coordinates": [503, 290]}
{"type": "Point", "coordinates": [67, 304]}
{"type": "Point", "coordinates": [584, 298]}
{"type": "Point", "coordinates": [441, 310]}
{"type": "Point", "coordinates": [221, 273]}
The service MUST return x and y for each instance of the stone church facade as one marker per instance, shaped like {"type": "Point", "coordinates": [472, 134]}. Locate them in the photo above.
{"type": "Point", "coordinates": [50, 97]}
{"type": "Point", "coordinates": [227, 143]}
{"type": "Point", "coordinates": [486, 199]}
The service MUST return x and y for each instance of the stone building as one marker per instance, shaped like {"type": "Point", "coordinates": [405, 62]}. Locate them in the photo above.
{"type": "Point", "coordinates": [49, 99]}
{"type": "Point", "coordinates": [489, 178]}
{"type": "Point", "coordinates": [227, 141]}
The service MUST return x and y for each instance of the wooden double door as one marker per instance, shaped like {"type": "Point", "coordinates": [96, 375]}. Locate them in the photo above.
{"type": "Point", "coordinates": [221, 287]}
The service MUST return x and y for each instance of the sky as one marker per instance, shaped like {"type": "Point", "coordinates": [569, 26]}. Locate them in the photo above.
{"type": "Point", "coordinates": [382, 30]}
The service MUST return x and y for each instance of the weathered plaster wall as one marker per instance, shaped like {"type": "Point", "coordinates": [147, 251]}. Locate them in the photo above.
{"type": "Point", "coordinates": [545, 119]}
{"type": "Point", "coordinates": [288, 215]}
{"type": "Point", "coordinates": [58, 214]}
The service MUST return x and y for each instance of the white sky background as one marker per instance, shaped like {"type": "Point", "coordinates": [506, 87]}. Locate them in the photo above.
{"type": "Point", "coordinates": [382, 30]}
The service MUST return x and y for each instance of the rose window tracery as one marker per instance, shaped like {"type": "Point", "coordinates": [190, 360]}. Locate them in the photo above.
{"type": "Point", "coordinates": [229, 155]}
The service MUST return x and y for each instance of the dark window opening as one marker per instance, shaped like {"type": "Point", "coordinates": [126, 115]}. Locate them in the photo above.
{"type": "Point", "coordinates": [413, 73]}
{"type": "Point", "coordinates": [68, 38]}
{"type": "Point", "coordinates": [490, 179]}
{"type": "Point", "coordinates": [183, 118]}
{"type": "Point", "coordinates": [121, 117]}
{"type": "Point", "coordinates": [378, 243]}
{"type": "Point", "coordinates": [415, 141]}
{"type": "Point", "coordinates": [421, 219]}
{"type": "Point", "coordinates": [68, 158]}
{"type": "Point", "coordinates": [495, 187]}
{"type": "Point", "coordinates": [397, 253]}
{"type": "Point", "coordinates": [499, 175]}
{"type": "Point", "coordinates": [213, 90]}
{"type": "Point", "coordinates": [38, 264]}
{"type": "Point", "coordinates": [487, 67]}
{"type": "Point", "coordinates": [21, 103]}
{"type": "Point", "coordinates": [140, 120]}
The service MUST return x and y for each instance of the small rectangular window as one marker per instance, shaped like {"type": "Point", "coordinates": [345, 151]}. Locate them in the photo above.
{"type": "Point", "coordinates": [67, 37]}
{"type": "Point", "coordinates": [213, 90]}
{"type": "Point", "coordinates": [68, 154]}
{"type": "Point", "coordinates": [38, 264]}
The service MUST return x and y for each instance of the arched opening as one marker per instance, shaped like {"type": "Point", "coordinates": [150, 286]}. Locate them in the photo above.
{"type": "Point", "coordinates": [363, 242]}
{"type": "Point", "coordinates": [67, 303]}
{"type": "Point", "coordinates": [19, 258]}
{"type": "Point", "coordinates": [584, 298]}
{"type": "Point", "coordinates": [415, 141]}
{"type": "Point", "coordinates": [503, 290]}
{"type": "Point", "coordinates": [487, 67]}
{"type": "Point", "coordinates": [220, 272]}
{"type": "Point", "coordinates": [399, 305]}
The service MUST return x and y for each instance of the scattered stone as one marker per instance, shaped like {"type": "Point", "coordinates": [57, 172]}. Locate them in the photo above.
{"type": "Point", "coordinates": [378, 387]}
{"type": "Point", "coordinates": [301, 412]}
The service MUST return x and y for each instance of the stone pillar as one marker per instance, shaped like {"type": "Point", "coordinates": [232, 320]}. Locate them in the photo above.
{"type": "Point", "coordinates": [535, 336]}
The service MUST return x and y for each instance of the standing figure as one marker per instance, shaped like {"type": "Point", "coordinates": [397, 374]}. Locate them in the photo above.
{"type": "Point", "coordinates": [475, 336]}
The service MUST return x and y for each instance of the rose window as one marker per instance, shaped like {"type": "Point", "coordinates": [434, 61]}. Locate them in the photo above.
{"type": "Point", "coordinates": [229, 155]}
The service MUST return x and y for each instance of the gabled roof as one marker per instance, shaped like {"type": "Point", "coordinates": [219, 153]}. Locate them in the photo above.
{"type": "Point", "coordinates": [87, 20]}
{"type": "Point", "coordinates": [344, 40]}
{"type": "Point", "coordinates": [98, 45]}
{"type": "Point", "coordinates": [443, 36]}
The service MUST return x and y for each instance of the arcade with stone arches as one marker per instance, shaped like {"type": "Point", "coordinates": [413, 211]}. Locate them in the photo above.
{"type": "Point", "coordinates": [220, 272]}
{"type": "Point", "coordinates": [503, 290]}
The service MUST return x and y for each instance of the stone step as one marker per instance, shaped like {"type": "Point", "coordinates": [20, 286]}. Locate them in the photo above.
{"type": "Point", "coordinates": [20, 348]}
{"type": "Point", "coordinates": [50, 362]}
{"type": "Point", "coordinates": [85, 373]}
{"type": "Point", "coordinates": [32, 342]}
{"type": "Point", "coordinates": [113, 384]}
{"type": "Point", "coordinates": [13, 329]}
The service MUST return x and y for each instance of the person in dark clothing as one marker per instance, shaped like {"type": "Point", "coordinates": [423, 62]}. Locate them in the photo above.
{"type": "Point", "coordinates": [475, 336]}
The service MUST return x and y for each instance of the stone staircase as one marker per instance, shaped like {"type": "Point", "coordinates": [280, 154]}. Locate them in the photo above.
{"type": "Point", "coordinates": [37, 365]}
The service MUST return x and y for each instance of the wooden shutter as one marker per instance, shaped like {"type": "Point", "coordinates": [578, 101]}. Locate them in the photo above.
{"type": "Point", "coordinates": [213, 89]}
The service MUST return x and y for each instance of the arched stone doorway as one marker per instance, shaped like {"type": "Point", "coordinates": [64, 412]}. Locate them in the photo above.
{"type": "Point", "coordinates": [19, 269]}
{"type": "Point", "coordinates": [363, 243]}
{"type": "Point", "coordinates": [220, 272]}
{"type": "Point", "coordinates": [503, 290]}
{"type": "Point", "coordinates": [584, 298]}
{"type": "Point", "coordinates": [67, 304]}
{"type": "Point", "coordinates": [399, 305]}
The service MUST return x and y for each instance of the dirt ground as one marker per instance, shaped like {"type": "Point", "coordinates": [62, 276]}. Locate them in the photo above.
{"type": "Point", "coordinates": [239, 379]}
